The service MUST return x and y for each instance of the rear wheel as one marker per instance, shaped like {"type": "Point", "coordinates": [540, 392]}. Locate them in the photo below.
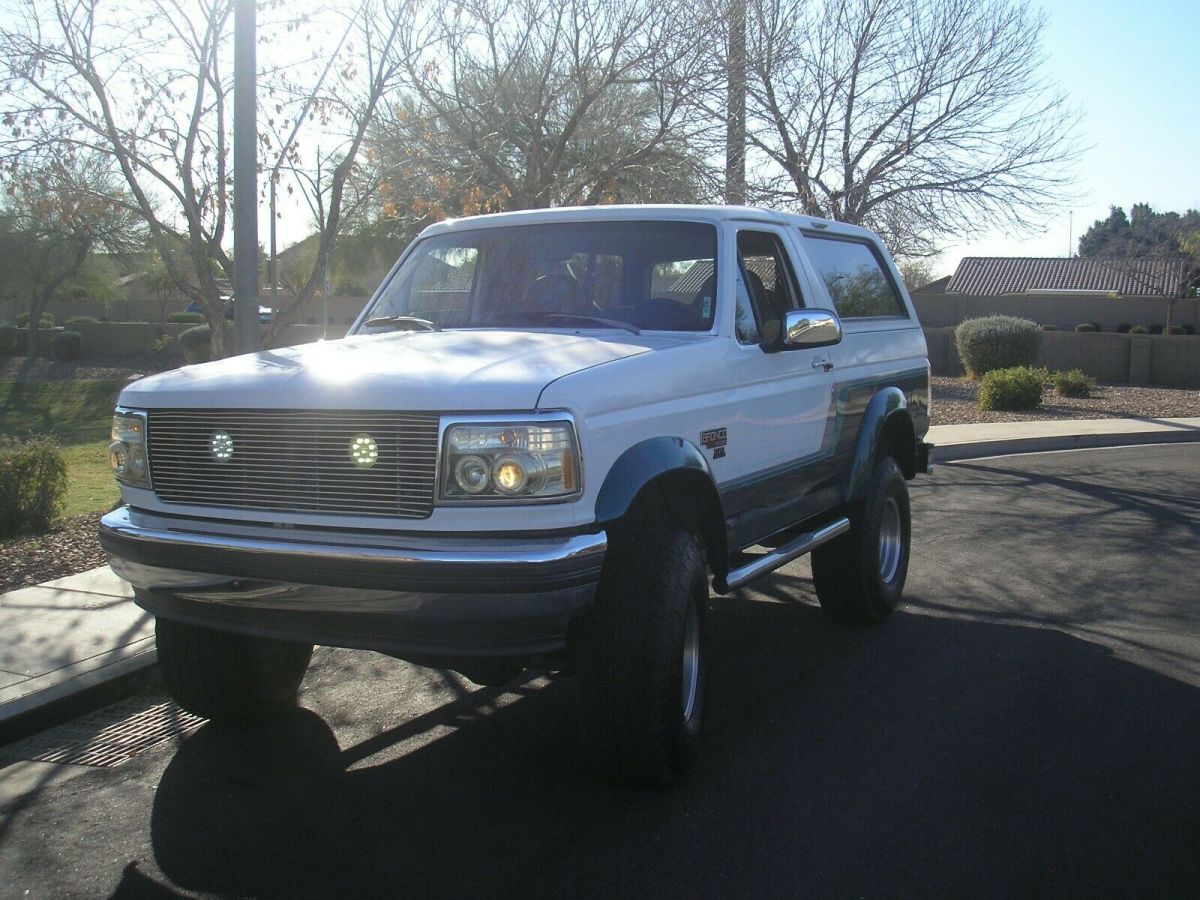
{"type": "Point", "coordinates": [641, 661]}
{"type": "Point", "coordinates": [860, 576]}
{"type": "Point", "coordinates": [229, 677]}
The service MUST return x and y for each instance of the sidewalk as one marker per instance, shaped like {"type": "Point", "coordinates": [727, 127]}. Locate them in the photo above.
{"type": "Point", "coordinates": [79, 632]}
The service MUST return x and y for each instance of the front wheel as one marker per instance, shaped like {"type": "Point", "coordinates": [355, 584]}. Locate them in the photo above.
{"type": "Point", "coordinates": [641, 661]}
{"type": "Point", "coordinates": [229, 677]}
{"type": "Point", "coordinates": [860, 576]}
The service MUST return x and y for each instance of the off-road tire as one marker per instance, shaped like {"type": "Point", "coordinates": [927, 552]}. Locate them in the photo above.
{"type": "Point", "coordinates": [229, 677]}
{"type": "Point", "coordinates": [632, 682]}
{"type": "Point", "coordinates": [848, 572]}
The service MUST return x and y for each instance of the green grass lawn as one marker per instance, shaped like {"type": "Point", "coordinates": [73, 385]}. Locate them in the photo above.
{"type": "Point", "coordinates": [79, 414]}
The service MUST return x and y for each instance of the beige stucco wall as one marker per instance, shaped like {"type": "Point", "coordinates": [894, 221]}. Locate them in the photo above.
{"type": "Point", "coordinates": [1174, 359]}
{"type": "Point", "coordinates": [937, 310]}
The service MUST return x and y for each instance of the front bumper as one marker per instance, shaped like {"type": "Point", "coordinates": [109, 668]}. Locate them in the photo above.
{"type": "Point", "coordinates": [417, 597]}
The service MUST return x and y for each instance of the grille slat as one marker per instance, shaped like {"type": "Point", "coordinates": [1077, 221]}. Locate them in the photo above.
{"type": "Point", "coordinates": [295, 460]}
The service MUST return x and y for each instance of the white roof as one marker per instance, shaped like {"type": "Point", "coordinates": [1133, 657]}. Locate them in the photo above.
{"type": "Point", "coordinates": [641, 212]}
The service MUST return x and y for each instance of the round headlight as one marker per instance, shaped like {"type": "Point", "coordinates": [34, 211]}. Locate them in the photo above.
{"type": "Point", "coordinates": [471, 473]}
{"type": "Point", "coordinates": [118, 457]}
{"type": "Point", "coordinates": [509, 474]}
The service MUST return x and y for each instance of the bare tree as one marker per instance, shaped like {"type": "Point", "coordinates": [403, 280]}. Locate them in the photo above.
{"type": "Point", "coordinates": [920, 118]}
{"type": "Point", "coordinates": [148, 84]}
{"type": "Point", "coordinates": [369, 64]}
{"type": "Point", "coordinates": [516, 104]}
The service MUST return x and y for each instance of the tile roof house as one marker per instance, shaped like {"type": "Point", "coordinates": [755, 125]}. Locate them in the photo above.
{"type": "Point", "coordinates": [1000, 275]}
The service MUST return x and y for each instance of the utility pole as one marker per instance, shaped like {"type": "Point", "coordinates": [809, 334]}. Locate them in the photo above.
{"type": "Point", "coordinates": [245, 179]}
{"type": "Point", "coordinates": [735, 106]}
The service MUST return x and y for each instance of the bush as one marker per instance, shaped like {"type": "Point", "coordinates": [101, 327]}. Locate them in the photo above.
{"type": "Point", "coordinates": [1049, 328]}
{"type": "Point", "coordinates": [1083, 327]}
{"type": "Point", "coordinates": [1019, 387]}
{"type": "Point", "coordinates": [349, 287]}
{"type": "Point", "coordinates": [33, 480]}
{"type": "Point", "coordinates": [1176, 329]}
{"type": "Point", "coordinates": [1074, 383]}
{"type": "Point", "coordinates": [66, 345]}
{"type": "Point", "coordinates": [184, 318]}
{"type": "Point", "coordinates": [997, 342]}
{"type": "Point", "coordinates": [196, 343]}
{"type": "Point", "coordinates": [1139, 329]}
{"type": "Point", "coordinates": [1124, 328]}
{"type": "Point", "coordinates": [1156, 328]}
{"type": "Point", "coordinates": [76, 321]}
{"type": "Point", "coordinates": [46, 320]}
{"type": "Point", "coordinates": [1188, 328]}
{"type": "Point", "coordinates": [12, 340]}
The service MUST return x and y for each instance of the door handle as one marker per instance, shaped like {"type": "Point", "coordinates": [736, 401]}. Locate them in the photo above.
{"type": "Point", "coordinates": [822, 364]}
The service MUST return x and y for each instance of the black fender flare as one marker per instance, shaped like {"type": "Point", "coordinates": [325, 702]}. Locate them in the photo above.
{"type": "Point", "coordinates": [650, 460]}
{"type": "Point", "coordinates": [888, 403]}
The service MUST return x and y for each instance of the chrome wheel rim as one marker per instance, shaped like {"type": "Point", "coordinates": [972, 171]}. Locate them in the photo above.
{"type": "Point", "coordinates": [691, 661]}
{"type": "Point", "coordinates": [890, 540]}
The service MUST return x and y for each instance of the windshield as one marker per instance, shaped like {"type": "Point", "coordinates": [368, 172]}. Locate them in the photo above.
{"type": "Point", "coordinates": [658, 276]}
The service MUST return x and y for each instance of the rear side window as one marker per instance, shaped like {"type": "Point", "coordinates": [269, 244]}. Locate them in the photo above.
{"type": "Point", "coordinates": [855, 276]}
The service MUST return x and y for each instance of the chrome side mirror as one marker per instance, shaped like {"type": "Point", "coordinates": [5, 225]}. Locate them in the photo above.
{"type": "Point", "coordinates": [808, 328]}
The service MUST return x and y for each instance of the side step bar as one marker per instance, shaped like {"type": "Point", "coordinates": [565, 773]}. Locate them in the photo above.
{"type": "Point", "coordinates": [780, 556]}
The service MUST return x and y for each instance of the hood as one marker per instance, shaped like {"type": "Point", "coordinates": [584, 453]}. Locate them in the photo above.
{"type": "Point", "coordinates": [445, 370]}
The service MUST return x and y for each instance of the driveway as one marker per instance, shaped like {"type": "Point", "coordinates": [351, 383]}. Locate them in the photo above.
{"type": "Point", "coordinates": [1027, 723]}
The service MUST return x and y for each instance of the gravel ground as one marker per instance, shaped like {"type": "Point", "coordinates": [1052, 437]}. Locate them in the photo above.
{"type": "Point", "coordinates": [955, 403]}
{"type": "Point", "coordinates": [70, 548]}
{"type": "Point", "coordinates": [73, 546]}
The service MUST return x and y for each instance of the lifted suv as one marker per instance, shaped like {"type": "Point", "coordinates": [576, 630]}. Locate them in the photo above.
{"type": "Point", "coordinates": [546, 433]}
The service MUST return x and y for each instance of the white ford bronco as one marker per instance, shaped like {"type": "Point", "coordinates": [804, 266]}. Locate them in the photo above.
{"type": "Point", "coordinates": [544, 437]}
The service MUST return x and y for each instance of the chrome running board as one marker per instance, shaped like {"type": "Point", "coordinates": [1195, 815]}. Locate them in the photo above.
{"type": "Point", "coordinates": [780, 556]}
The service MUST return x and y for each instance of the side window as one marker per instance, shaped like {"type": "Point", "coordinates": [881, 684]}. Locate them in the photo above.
{"type": "Point", "coordinates": [766, 287]}
{"type": "Point", "coordinates": [857, 281]}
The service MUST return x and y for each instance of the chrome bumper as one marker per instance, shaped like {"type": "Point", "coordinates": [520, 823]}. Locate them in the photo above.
{"type": "Point", "coordinates": [408, 595]}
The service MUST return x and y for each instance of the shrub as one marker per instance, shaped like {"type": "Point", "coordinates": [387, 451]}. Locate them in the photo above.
{"type": "Point", "coordinates": [66, 345]}
{"type": "Point", "coordinates": [1019, 387]}
{"type": "Point", "coordinates": [1139, 329]}
{"type": "Point", "coordinates": [1049, 328]}
{"type": "Point", "coordinates": [1188, 328]}
{"type": "Point", "coordinates": [33, 480]}
{"type": "Point", "coordinates": [1085, 327]}
{"type": "Point", "coordinates": [1124, 328]}
{"type": "Point", "coordinates": [196, 344]}
{"type": "Point", "coordinates": [12, 340]}
{"type": "Point", "coordinates": [183, 318]}
{"type": "Point", "coordinates": [1156, 328]}
{"type": "Point", "coordinates": [46, 320]}
{"type": "Point", "coordinates": [1176, 329]}
{"type": "Point", "coordinates": [1074, 383]}
{"type": "Point", "coordinates": [76, 321]}
{"type": "Point", "coordinates": [997, 342]}
{"type": "Point", "coordinates": [349, 287]}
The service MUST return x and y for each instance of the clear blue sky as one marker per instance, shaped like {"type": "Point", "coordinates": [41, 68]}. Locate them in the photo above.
{"type": "Point", "coordinates": [1133, 69]}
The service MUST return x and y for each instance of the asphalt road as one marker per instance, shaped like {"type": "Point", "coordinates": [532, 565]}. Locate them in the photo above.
{"type": "Point", "coordinates": [1026, 724]}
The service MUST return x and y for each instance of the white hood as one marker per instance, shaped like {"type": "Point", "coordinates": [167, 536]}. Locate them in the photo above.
{"type": "Point", "coordinates": [448, 370]}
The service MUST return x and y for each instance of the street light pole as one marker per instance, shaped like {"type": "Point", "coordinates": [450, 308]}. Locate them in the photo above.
{"type": "Point", "coordinates": [245, 179]}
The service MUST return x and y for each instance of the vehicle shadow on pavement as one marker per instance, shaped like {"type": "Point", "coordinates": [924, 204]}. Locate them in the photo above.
{"type": "Point", "coordinates": [931, 755]}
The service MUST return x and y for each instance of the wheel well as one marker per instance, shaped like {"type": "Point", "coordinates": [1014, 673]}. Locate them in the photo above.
{"type": "Point", "coordinates": [687, 497]}
{"type": "Point", "coordinates": [899, 441]}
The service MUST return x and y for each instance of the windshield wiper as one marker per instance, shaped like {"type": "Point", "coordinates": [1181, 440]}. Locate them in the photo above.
{"type": "Point", "coordinates": [532, 316]}
{"type": "Point", "coordinates": [403, 323]}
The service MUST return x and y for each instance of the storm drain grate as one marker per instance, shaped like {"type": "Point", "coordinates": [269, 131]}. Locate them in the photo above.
{"type": "Point", "coordinates": [106, 738]}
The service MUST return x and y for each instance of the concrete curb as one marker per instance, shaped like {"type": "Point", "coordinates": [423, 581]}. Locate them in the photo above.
{"type": "Point", "coordinates": [1046, 443]}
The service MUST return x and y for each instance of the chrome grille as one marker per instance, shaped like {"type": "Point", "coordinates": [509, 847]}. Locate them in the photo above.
{"type": "Point", "coordinates": [295, 460]}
